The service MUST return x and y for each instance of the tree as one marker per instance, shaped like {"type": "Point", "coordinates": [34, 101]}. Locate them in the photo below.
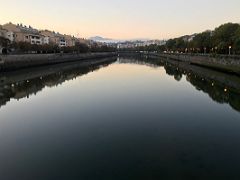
{"type": "Point", "coordinates": [225, 36]}
{"type": "Point", "coordinates": [217, 41]}
{"type": "Point", "coordinates": [4, 42]}
{"type": "Point", "coordinates": [202, 42]}
{"type": "Point", "coordinates": [171, 44]}
{"type": "Point", "coordinates": [23, 46]}
{"type": "Point", "coordinates": [81, 48]}
{"type": "Point", "coordinates": [180, 44]}
{"type": "Point", "coordinates": [177, 44]}
{"type": "Point", "coordinates": [236, 45]}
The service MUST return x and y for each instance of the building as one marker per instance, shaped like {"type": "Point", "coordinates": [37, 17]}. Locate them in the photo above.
{"type": "Point", "coordinates": [20, 33]}
{"type": "Point", "coordinates": [188, 38]}
{"type": "Point", "coordinates": [56, 38]}
{"type": "Point", "coordinates": [6, 34]}
{"type": "Point", "coordinates": [2, 32]}
{"type": "Point", "coordinates": [62, 42]}
{"type": "Point", "coordinates": [46, 40]}
{"type": "Point", "coordinates": [50, 37]}
{"type": "Point", "coordinates": [70, 40]}
{"type": "Point", "coordinates": [83, 41]}
{"type": "Point", "coordinates": [139, 43]}
{"type": "Point", "coordinates": [10, 35]}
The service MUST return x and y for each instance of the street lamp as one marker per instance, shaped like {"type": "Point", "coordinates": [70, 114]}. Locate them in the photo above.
{"type": "Point", "coordinates": [230, 47]}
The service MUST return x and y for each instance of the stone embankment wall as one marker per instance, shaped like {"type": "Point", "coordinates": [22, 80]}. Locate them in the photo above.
{"type": "Point", "coordinates": [219, 62]}
{"type": "Point", "coordinates": [13, 62]}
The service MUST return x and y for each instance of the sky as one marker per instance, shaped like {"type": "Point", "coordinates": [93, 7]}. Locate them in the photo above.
{"type": "Point", "coordinates": [122, 19]}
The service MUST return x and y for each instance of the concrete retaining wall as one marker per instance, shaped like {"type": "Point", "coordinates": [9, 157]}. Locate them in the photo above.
{"type": "Point", "coordinates": [13, 62]}
{"type": "Point", "coordinates": [223, 63]}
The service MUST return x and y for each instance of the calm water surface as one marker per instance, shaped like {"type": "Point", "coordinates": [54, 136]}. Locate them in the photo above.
{"type": "Point", "coordinates": [128, 119]}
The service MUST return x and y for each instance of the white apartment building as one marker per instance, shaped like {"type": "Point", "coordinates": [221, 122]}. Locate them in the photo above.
{"type": "Point", "coordinates": [35, 39]}
{"type": "Point", "coordinates": [45, 40]}
{"type": "Point", "coordinates": [62, 42]}
{"type": "Point", "coordinates": [10, 35]}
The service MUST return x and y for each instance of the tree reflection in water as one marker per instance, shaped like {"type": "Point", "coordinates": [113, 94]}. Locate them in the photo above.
{"type": "Point", "coordinates": [221, 87]}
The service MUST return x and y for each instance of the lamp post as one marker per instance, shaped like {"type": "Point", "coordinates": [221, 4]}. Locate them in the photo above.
{"type": "Point", "coordinates": [230, 47]}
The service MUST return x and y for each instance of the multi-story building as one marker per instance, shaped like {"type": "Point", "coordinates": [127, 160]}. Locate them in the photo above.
{"type": "Point", "coordinates": [6, 34]}
{"type": "Point", "coordinates": [34, 39]}
{"type": "Point", "coordinates": [59, 39]}
{"type": "Point", "coordinates": [50, 37]}
{"type": "Point", "coordinates": [10, 35]}
{"type": "Point", "coordinates": [70, 40]}
{"type": "Point", "coordinates": [83, 41]}
{"type": "Point", "coordinates": [20, 33]}
{"type": "Point", "coordinates": [2, 32]}
{"type": "Point", "coordinates": [46, 40]}
{"type": "Point", "coordinates": [62, 42]}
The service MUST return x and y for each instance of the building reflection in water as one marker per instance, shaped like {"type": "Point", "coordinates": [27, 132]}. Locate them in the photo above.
{"type": "Point", "coordinates": [22, 84]}
{"type": "Point", "coordinates": [221, 87]}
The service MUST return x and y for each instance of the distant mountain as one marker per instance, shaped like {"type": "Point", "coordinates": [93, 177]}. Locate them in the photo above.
{"type": "Point", "coordinates": [108, 40]}
{"type": "Point", "coordinates": [139, 39]}
{"type": "Point", "coordinates": [100, 39]}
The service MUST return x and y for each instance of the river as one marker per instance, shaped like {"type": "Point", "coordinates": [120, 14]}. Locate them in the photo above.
{"type": "Point", "coordinates": [122, 118]}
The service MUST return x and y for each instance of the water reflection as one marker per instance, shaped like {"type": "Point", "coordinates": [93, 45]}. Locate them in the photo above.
{"type": "Point", "coordinates": [137, 118]}
{"type": "Point", "coordinates": [21, 84]}
{"type": "Point", "coordinates": [221, 87]}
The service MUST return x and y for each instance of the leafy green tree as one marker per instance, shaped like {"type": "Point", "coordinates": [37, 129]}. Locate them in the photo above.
{"type": "Point", "coordinates": [225, 36]}
{"type": "Point", "coordinates": [81, 48]}
{"type": "Point", "coordinates": [202, 42]}
{"type": "Point", "coordinates": [217, 41]}
{"type": "Point", "coordinates": [236, 45]}
{"type": "Point", "coordinates": [171, 44]}
{"type": "Point", "coordinates": [180, 44]}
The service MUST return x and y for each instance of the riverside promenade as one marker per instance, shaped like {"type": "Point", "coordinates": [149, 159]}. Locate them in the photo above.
{"type": "Point", "coordinates": [226, 63]}
{"type": "Point", "coordinates": [14, 62]}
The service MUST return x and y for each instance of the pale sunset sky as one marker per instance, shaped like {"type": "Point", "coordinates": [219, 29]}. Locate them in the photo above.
{"type": "Point", "coordinates": [122, 19]}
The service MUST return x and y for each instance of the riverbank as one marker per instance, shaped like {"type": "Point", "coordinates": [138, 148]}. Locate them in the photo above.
{"type": "Point", "coordinates": [230, 64]}
{"type": "Point", "coordinates": [15, 62]}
